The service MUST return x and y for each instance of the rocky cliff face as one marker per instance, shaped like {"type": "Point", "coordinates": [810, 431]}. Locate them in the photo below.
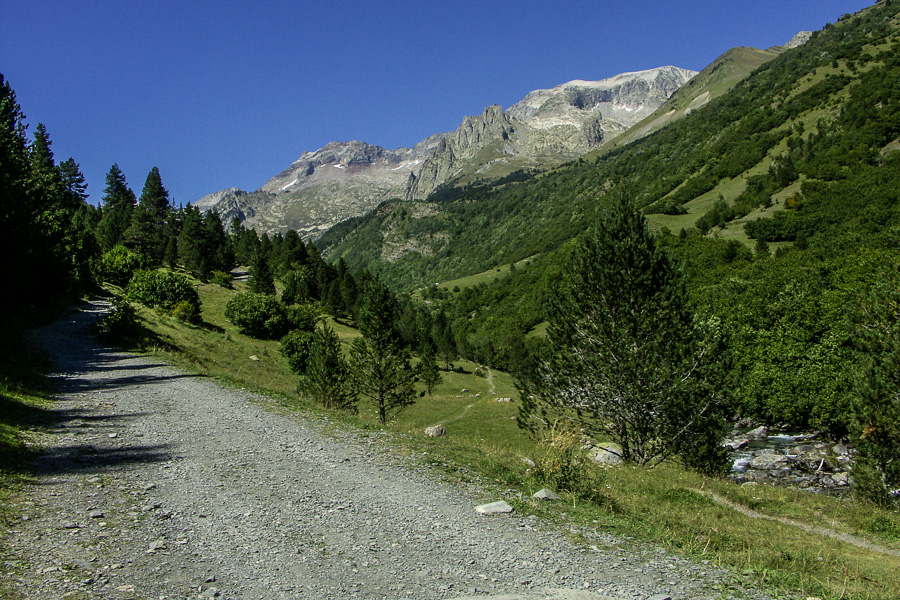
{"type": "Point", "coordinates": [547, 126]}
{"type": "Point", "coordinates": [346, 179]}
{"type": "Point", "coordinates": [322, 188]}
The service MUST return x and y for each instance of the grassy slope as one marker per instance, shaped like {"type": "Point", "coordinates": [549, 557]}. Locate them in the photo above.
{"type": "Point", "coordinates": [498, 228]}
{"type": "Point", "coordinates": [664, 506]}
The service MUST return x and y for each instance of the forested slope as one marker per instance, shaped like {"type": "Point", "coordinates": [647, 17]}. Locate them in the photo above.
{"type": "Point", "coordinates": [802, 150]}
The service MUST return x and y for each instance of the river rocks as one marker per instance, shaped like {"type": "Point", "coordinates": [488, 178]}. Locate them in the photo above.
{"type": "Point", "coordinates": [736, 443]}
{"type": "Point", "coordinates": [766, 462]}
{"type": "Point", "coordinates": [760, 433]}
{"type": "Point", "coordinates": [796, 461]}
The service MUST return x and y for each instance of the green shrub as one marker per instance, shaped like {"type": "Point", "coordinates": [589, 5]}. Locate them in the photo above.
{"type": "Point", "coordinates": [163, 289]}
{"type": "Point", "coordinates": [120, 322]}
{"type": "Point", "coordinates": [305, 316]}
{"type": "Point", "coordinates": [295, 346]}
{"type": "Point", "coordinates": [221, 278]}
{"type": "Point", "coordinates": [260, 316]}
{"type": "Point", "coordinates": [185, 312]}
{"type": "Point", "coordinates": [119, 265]}
{"type": "Point", "coordinates": [564, 465]}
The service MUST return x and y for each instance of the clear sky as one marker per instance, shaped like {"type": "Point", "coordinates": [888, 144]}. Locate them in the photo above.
{"type": "Point", "coordinates": [222, 94]}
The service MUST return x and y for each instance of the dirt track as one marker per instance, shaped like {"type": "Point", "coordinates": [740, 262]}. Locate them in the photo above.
{"type": "Point", "coordinates": [159, 484]}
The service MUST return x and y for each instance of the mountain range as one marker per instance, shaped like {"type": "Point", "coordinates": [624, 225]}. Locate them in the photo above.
{"type": "Point", "coordinates": [547, 127]}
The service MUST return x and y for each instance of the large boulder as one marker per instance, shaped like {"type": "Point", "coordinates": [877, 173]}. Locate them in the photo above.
{"type": "Point", "coordinates": [608, 454]}
{"type": "Point", "coordinates": [760, 433]}
{"type": "Point", "coordinates": [768, 462]}
{"type": "Point", "coordinates": [436, 431]}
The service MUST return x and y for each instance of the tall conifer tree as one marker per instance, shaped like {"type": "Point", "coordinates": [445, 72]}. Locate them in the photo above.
{"type": "Point", "coordinates": [145, 233]}
{"type": "Point", "coordinates": [624, 360]}
{"type": "Point", "coordinates": [117, 205]}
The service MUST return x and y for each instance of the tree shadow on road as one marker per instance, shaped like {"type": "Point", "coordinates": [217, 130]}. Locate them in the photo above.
{"type": "Point", "coordinates": [89, 459]}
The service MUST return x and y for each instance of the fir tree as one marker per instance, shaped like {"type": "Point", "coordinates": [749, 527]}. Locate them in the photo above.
{"type": "Point", "coordinates": [261, 279]}
{"type": "Point", "coordinates": [380, 367]}
{"type": "Point", "coordinates": [145, 233]}
{"type": "Point", "coordinates": [429, 372]}
{"type": "Point", "coordinates": [117, 206]}
{"type": "Point", "coordinates": [326, 378]}
{"type": "Point", "coordinates": [73, 183]}
{"type": "Point", "coordinates": [623, 359]}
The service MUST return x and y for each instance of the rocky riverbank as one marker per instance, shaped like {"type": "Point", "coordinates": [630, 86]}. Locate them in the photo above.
{"type": "Point", "coordinates": [806, 461]}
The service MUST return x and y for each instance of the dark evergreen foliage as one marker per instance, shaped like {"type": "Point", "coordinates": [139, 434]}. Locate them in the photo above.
{"type": "Point", "coordinates": [876, 390]}
{"type": "Point", "coordinates": [624, 359]}
{"type": "Point", "coordinates": [379, 364]}
{"type": "Point", "coordinates": [327, 378]}
{"type": "Point", "coordinates": [117, 204]}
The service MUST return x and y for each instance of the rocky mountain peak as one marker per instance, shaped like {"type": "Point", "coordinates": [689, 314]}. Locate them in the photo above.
{"type": "Point", "coordinates": [627, 97]}
{"type": "Point", "coordinates": [553, 124]}
{"type": "Point", "coordinates": [345, 179]}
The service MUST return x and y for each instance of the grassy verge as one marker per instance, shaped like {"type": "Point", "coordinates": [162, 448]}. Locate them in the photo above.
{"type": "Point", "coordinates": [22, 407]}
{"type": "Point", "coordinates": [665, 506]}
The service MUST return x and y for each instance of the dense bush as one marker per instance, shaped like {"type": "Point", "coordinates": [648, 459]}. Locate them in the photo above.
{"type": "Point", "coordinates": [119, 265]}
{"type": "Point", "coordinates": [876, 401]}
{"type": "Point", "coordinates": [295, 347]}
{"type": "Point", "coordinates": [120, 322]}
{"type": "Point", "coordinates": [261, 316]}
{"type": "Point", "coordinates": [163, 289]}
{"type": "Point", "coordinates": [221, 278]}
{"type": "Point", "coordinates": [185, 312]}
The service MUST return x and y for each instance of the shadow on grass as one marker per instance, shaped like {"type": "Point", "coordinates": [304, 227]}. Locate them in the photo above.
{"type": "Point", "coordinates": [206, 326]}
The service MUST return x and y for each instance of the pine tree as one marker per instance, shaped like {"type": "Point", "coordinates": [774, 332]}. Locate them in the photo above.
{"type": "Point", "coordinates": [444, 342]}
{"type": "Point", "coordinates": [380, 367]}
{"type": "Point", "coordinates": [261, 279]}
{"type": "Point", "coordinates": [117, 205]}
{"type": "Point", "coordinates": [46, 181]}
{"type": "Point", "coordinates": [73, 184]}
{"type": "Point", "coordinates": [16, 211]}
{"type": "Point", "coordinates": [145, 233]}
{"type": "Point", "coordinates": [326, 378]}
{"type": "Point", "coordinates": [623, 358]}
{"type": "Point", "coordinates": [219, 245]}
{"type": "Point", "coordinates": [428, 369]}
{"type": "Point", "coordinates": [191, 252]}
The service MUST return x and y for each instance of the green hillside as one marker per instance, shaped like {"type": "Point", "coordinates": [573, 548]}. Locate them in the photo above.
{"type": "Point", "coordinates": [776, 196]}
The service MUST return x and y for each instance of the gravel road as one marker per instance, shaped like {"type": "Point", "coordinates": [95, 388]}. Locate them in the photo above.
{"type": "Point", "coordinates": [159, 484]}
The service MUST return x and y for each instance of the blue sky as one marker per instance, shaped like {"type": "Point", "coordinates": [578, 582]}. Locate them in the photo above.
{"type": "Point", "coordinates": [222, 94]}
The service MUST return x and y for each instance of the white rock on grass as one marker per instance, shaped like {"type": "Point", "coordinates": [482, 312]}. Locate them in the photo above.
{"type": "Point", "coordinates": [608, 454]}
{"type": "Point", "coordinates": [435, 431]}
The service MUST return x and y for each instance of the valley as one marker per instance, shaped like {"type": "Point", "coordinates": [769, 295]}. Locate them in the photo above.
{"type": "Point", "coordinates": [650, 319]}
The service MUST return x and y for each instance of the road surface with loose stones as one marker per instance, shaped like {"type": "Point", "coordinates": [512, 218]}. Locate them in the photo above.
{"type": "Point", "coordinates": [158, 484]}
